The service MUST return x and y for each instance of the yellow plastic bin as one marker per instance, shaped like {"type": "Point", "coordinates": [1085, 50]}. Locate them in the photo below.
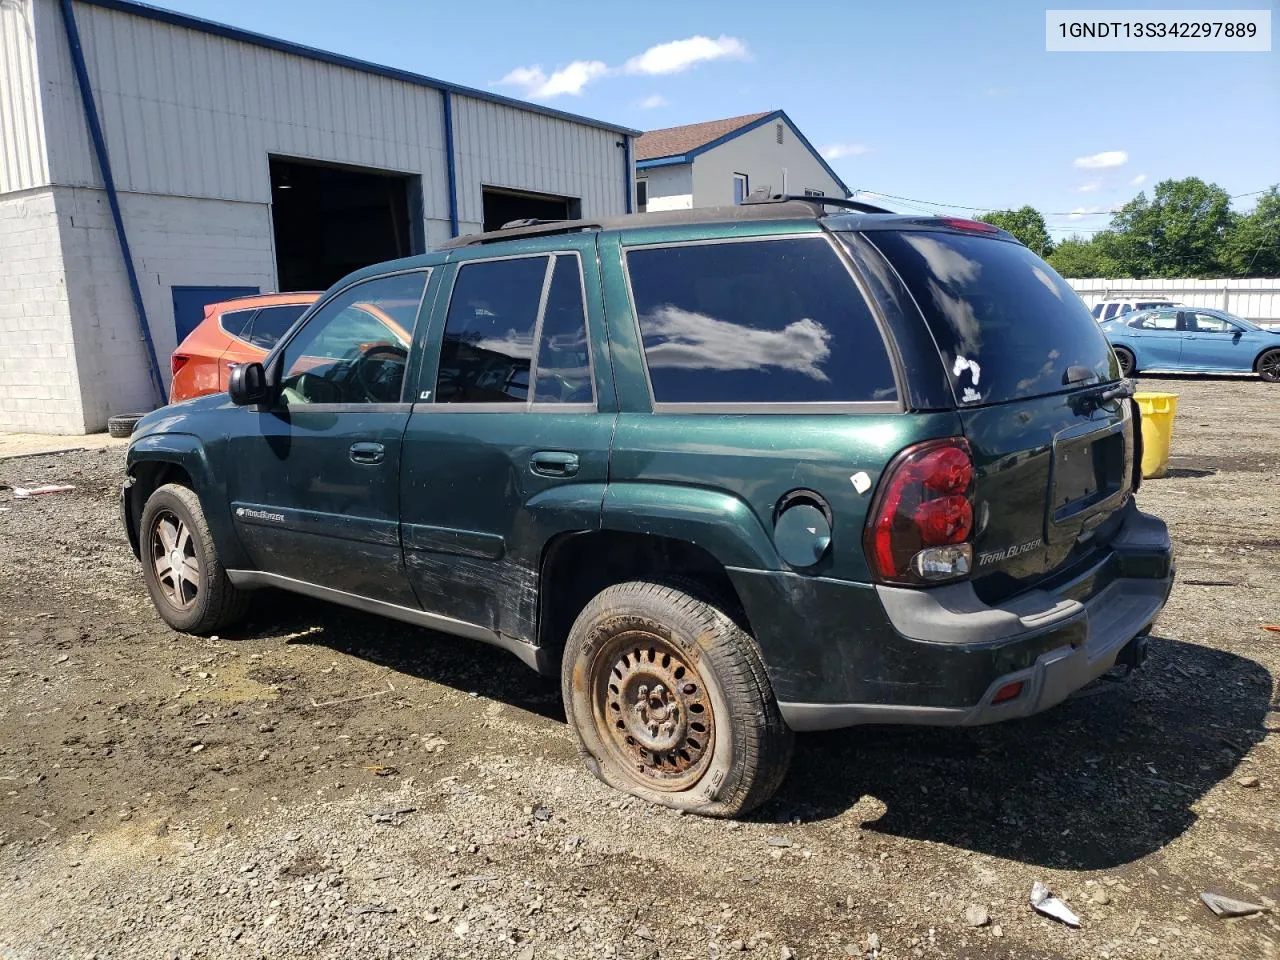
{"type": "Point", "coordinates": [1157, 431]}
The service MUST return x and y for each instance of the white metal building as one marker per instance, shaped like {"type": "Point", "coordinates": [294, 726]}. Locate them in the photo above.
{"type": "Point", "coordinates": [721, 161]}
{"type": "Point", "coordinates": [1256, 299]}
{"type": "Point", "coordinates": [239, 163]}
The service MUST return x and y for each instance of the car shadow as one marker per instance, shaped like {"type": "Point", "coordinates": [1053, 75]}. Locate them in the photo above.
{"type": "Point", "coordinates": [465, 665]}
{"type": "Point", "coordinates": [1099, 781]}
{"type": "Point", "coordinates": [1102, 780]}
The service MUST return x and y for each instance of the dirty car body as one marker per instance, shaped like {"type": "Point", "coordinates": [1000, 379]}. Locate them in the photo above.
{"type": "Point", "coordinates": [891, 455]}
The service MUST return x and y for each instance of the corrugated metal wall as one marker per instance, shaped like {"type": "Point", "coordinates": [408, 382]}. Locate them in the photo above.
{"type": "Point", "coordinates": [499, 146]}
{"type": "Point", "coordinates": [1256, 299]}
{"type": "Point", "coordinates": [193, 114]}
{"type": "Point", "coordinates": [23, 162]}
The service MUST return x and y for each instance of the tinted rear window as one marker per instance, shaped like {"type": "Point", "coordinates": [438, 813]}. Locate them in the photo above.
{"type": "Point", "coordinates": [1007, 324]}
{"type": "Point", "coordinates": [761, 321]}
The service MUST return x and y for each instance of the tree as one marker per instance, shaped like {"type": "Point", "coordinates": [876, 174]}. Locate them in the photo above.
{"type": "Point", "coordinates": [1181, 232]}
{"type": "Point", "coordinates": [1027, 224]}
{"type": "Point", "coordinates": [1081, 257]}
{"type": "Point", "coordinates": [1253, 248]}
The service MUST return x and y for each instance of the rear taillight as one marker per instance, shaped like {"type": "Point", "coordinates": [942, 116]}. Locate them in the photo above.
{"type": "Point", "coordinates": [920, 523]}
{"type": "Point", "coordinates": [177, 362]}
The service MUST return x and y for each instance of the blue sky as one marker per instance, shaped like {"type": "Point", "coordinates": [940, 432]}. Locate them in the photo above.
{"type": "Point", "coordinates": [957, 103]}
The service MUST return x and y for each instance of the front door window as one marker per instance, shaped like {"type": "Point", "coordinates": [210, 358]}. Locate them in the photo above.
{"type": "Point", "coordinates": [355, 348]}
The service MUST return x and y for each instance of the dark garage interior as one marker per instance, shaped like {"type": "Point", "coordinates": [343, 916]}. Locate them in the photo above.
{"type": "Point", "coordinates": [503, 206]}
{"type": "Point", "coordinates": [330, 220]}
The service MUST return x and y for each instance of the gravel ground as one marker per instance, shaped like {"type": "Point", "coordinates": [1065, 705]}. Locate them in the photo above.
{"type": "Point", "coordinates": [326, 784]}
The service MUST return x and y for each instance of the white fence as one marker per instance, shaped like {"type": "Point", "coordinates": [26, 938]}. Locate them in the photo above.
{"type": "Point", "coordinates": [1255, 299]}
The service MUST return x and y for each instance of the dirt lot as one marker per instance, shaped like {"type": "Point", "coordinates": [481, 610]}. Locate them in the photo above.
{"type": "Point", "coordinates": [326, 784]}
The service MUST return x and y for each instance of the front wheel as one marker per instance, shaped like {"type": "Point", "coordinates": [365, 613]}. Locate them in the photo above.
{"type": "Point", "coordinates": [1269, 366]}
{"type": "Point", "coordinates": [670, 702]}
{"type": "Point", "coordinates": [181, 567]}
{"type": "Point", "coordinates": [1127, 362]}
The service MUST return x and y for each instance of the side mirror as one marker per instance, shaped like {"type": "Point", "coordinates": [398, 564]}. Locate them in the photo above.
{"type": "Point", "coordinates": [247, 384]}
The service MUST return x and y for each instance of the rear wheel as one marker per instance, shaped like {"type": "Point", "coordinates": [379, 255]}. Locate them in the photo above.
{"type": "Point", "coordinates": [671, 702]}
{"type": "Point", "coordinates": [180, 564]}
{"type": "Point", "coordinates": [1128, 365]}
{"type": "Point", "coordinates": [1269, 366]}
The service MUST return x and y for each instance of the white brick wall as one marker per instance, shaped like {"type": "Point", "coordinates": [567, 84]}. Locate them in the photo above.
{"type": "Point", "coordinates": [176, 241]}
{"type": "Point", "coordinates": [39, 381]}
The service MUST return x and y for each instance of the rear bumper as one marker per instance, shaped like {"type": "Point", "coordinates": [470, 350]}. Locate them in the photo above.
{"type": "Point", "coordinates": [945, 654]}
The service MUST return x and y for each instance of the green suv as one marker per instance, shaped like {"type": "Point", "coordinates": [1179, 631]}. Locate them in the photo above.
{"type": "Point", "coordinates": [730, 473]}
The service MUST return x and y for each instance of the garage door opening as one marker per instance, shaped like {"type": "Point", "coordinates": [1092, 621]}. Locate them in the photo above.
{"type": "Point", "coordinates": [331, 220]}
{"type": "Point", "coordinates": [503, 206]}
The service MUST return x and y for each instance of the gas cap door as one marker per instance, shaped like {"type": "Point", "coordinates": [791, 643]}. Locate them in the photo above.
{"type": "Point", "coordinates": [802, 535]}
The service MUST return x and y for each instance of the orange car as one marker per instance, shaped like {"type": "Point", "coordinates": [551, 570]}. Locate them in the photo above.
{"type": "Point", "coordinates": [234, 331]}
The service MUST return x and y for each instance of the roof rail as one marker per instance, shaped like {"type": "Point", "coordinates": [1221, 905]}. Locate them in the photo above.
{"type": "Point", "coordinates": [760, 196]}
{"type": "Point", "coordinates": [516, 229]}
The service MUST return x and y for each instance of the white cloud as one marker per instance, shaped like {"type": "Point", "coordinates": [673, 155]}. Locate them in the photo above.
{"type": "Point", "coordinates": [1089, 187]}
{"type": "Point", "coordinates": [696, 341]}
{"type": "Point", "coordinates": [838, 151]}
{"type": "Point", "coordinates": [653, 102]}
{"type": "Point", "coordinates": [1139, 180]}
{"type": "Point", "coordinates": [1079, 212]}
{"type": "Point", "coordinates": [1101, 161]}
{"type": "Point", "coordinates": [679, 55]}
{"type": "Point", "coordinates": [571, 79]}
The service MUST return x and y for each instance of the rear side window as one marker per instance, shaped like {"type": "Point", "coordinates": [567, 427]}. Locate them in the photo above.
{"type": "Point", "coordinates": [1164, 320]}
{"type": "Point", "coordinates": [564, 358]}
{"type": "Point", "coordinates": [1007, 325]}
{"type": "Point", "coordinates": [1111, 310]}
{"type": "Point", "coordinates": [236, 322]}
{"type": "Point", "coordinates": [272, 323]}
{"type": "Point", "coordinates": [767, 321]}
{"type": "Point", "coordinates": [488, 333]}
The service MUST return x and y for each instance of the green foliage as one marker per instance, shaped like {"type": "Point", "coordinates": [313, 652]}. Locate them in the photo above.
{"type": "Point", "coordinates": [1027, 224]}
{"type": "Point", "coordinates": [1083, 257]}
{"type": "Point", "coordinates": [1181, 232]}
{"type": "Point", "coordinates": [1186, 229]}
{"type": "Point", "coordinates": [1253, 248]}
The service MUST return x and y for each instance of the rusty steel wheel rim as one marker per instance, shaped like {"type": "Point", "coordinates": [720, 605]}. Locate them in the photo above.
{"type": "Point", "coordinates": [173, 556]}
{"type": "Point", "coordinates": [653, 710]}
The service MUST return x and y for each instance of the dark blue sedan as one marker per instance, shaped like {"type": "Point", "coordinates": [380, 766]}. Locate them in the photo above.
{"type": "Point", "coordinates": [1193, 340]}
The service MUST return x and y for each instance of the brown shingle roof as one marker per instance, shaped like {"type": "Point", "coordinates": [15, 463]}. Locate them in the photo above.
{"type": "Point", "coordinates": [674, 141]}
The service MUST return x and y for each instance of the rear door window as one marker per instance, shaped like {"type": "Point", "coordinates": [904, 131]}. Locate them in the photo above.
{"type": "Point", "coordinates": [757, 322]}
{"type": "Point", "coordinates": [1008, 326]}
{"type": "Point", "coordinates": [488, 333]}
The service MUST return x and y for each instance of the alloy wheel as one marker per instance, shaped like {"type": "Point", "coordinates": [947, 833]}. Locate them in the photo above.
{"type": "Point", "coordinates": [173, 555]}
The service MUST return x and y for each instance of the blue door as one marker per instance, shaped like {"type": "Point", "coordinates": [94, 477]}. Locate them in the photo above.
{"type": "Point", "coordinates": [1157, 341]}
{"type": "Point", "coordinates": [189, 304]}
{"type": "Point", "coordinates": [1212, 342]}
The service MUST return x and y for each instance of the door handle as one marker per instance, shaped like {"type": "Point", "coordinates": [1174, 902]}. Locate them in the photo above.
{"type": "Point", "coordinates": [367, 451]}
{"type": "Point", "coordinates": [554, 463]}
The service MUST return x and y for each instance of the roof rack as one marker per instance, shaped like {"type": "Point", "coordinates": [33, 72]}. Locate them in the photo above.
{"type": "Point", "coordinates": [516, 229]}
{"type": "Point", "coordinates": [757, 206]}
{"type": "Point", "coordinates": [759, 196]}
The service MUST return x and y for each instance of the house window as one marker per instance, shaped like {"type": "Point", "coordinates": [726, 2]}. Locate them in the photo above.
{"type": "Point", "coordinates": [813, 193]}
{"type": "Point", "coordinates": [642, 195]}
{"type": "Point", "coordinates": [739, 187]}
{"type": "Point", "coordinates": [778, 132]}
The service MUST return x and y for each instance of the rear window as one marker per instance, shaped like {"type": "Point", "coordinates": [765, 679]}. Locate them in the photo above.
{"type": "Point", "coordinates": [760, 321]}
{"type": "Point", "coordinates": [1007, 325]}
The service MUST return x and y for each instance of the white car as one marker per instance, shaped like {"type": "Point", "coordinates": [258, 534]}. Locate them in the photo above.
{"type": "Point", "coordinates": [1113, 307]}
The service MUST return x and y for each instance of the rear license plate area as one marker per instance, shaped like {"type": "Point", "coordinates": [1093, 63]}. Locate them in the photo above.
{"type": "Point", "coordinates": [1086, 471]}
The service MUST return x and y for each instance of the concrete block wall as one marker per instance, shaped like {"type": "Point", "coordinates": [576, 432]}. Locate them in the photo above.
{"type": "Point", "coordinates": [175, 241]}
{"type": "Point", "coordinates": [39, 379]}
